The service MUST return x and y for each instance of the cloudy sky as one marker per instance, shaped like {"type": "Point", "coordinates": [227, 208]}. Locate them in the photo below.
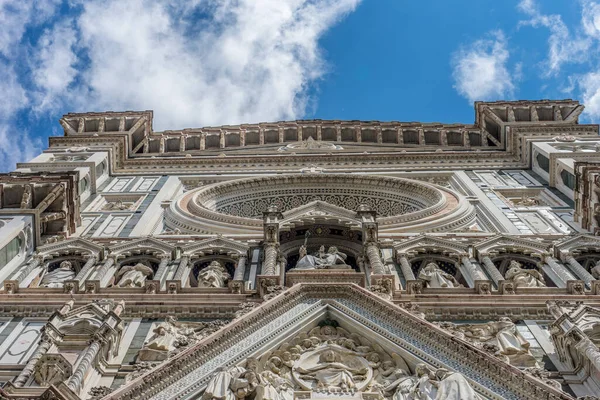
{"type": "Point", "coordinates": [213, 62]}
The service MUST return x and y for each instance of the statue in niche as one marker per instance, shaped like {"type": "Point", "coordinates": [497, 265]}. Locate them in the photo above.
{"type": "Point", "coordinates": [213, 276]}
{"type": "Point", "coordinates": [57, 277]}
{"type": "Point", "coordinates": [330, 259]}
{"type": "Point", "coordinates": [524, 277]}
{"type": "Point", "coordinates": [434, 277]}
{"type": "Point", "coordinates": [118, 205]}
{"type": "Point", "coordinates": [169, 336]}
{"type": "Point", "coordinates": [500, 337]}
{"type": "Point", "coordinates": [332, 373]}
{"type": "Point", "coordinates": [133, 276]}
{"type": "Point", "coordinates": [596, 271]}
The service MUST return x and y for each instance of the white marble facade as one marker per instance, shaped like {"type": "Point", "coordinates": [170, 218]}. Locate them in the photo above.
{"type": "Point", "coordinates": [305, 260]}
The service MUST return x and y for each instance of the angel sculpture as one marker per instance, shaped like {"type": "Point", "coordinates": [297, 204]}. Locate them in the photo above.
{"type": "Point", "coordinates": [133, 276]}
{"type": "Point", "coordinates": [425, 387]}
{"type": "Point", "coordinates": [453, 386]}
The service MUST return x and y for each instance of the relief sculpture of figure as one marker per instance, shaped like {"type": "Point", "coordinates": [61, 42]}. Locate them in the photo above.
{"type": "Point", "coordinates": [57, 277]}
{"type": "Point", "coordinates": [434, 277]}
{"type": "Point", "coordinates": [453, 386]}
{"type": "Point", "coordinates": [213, 276]}
{"type": "Point", "coordinates": [524, 277]}
{"type": "Point", "coordinates": [330, 373]}
{"type": "Point", "coordinates": [133, 276]}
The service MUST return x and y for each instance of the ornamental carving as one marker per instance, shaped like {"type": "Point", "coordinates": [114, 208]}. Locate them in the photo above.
{"type": "Point", "coordinates": [171, 336]}
{"type": "Point", "coordinates": [330, 361]}
{"type": "Point", "coordinates": [500, 338]}
{"type": "Point", "coordinates": [522, 277]}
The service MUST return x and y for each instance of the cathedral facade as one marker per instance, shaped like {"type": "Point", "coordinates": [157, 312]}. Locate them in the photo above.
{"type": "Point", "coordinates": [307, 259]}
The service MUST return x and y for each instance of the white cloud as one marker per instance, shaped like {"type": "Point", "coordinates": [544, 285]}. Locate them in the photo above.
{"type": "Point", "coordinates": [562, 46]}
{"type": "Point", "coordinates": [53, 64]}
{"type": "Point", "coordinates": [249, 61]}
{"type": "Point", "coordinates": [205, 62]}
{"type": "Point", "coordinates": [589, 84]}
{"type": "Point", "coordinates": [480, 71]}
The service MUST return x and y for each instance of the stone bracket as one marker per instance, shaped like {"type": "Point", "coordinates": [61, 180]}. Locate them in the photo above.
{"type": "Point", "coordinates": [152, 286]}
{"type": "Point", "coordinates": [483, 286]}
{"type": "Point", "coordinates": [71, 286]}
{"type": "Point", "coordinates": [237, 287]}
{"type": "Point", "coordinates": [415, 286]}
{"type": "Point", "coordinates": [265, 281]}
{"type": "Point", "coordinates": [92, 286]}
{"type": "Point", "coordinates": [11, 286]}
{"type": "Point", "coordinates": [173, 286]}
{"type": "Point", "coordinates": [575, 287]}
{"type": "Point", "coordinates": [506, 287]}
{"type": "Point", "coordinates": [595, 287]}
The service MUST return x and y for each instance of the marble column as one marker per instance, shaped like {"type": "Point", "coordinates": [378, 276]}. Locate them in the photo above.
{"type": "Point", "coordinates": [108, 264]}
{"type": "Point", "coordinates": [22, 273]}
{"type": "Point", "coordinates": [75, 381]}
{"type": "Point", "coordinates": [89, 264]}
{"type": "Point", "coordinates": [269, 264]}
{"type": "Point", "coordinates": [473, 269]}
{"type": "Point", "coordinates": [579, 270]}
{"type": "Point", "coordinates": [183, 263]}
{"type": "Point", "coordinates": [406, 268]}
{"type": "Point", "coordinates": [43, 347]}
{"type": "Point", "coordinates": [374, 256]}
{"type": "Point", "coordinates": [561, 272]}
{"type": "Point", "coordinates": [162, 268]}
{"type": "Point", "coordinates": [491, 269]}
{"type": "Point", "coordinates": [240, 269]}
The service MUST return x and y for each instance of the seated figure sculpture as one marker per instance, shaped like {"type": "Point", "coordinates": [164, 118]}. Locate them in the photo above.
{"type": "Point", "coordinates": [434, 277]}
{"type": "Point", "coordinates": [133, 276]}
{"type": "Point", "coordinates": [331, 373]}
{"type": "Point", "coordinates": [213, 276]}
{"type": "Point", "coordinates": [332, 259]}
{"type": "Point", "coordinates": [524, 277]}
{"type": "Point", "coordinates": [57, 277]}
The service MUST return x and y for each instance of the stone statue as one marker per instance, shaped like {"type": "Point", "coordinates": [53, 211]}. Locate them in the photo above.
{"type": "Point", "coordinates": [213, 276]}
{"type": "Point", "coordinates": [171, 335]}
{"type": "Point", "coordinates": [57, 277]}
{"type": "Point", "coordinates": [393, 379]}
{"type": "Point", "coordinates": [500, 337]}
{"type": "Point", "coordinates": [331, 373]}
{"type": "Point", "coordinates": [332, 259]}
{"type": "Point", "coordinates": [434, 277]}
{"type": "Point", "coordinates": [453, 386]}
{"type": "Point", "coordinates": [133, 276]}
{"type": "Point", "coordinates": [524, 277]}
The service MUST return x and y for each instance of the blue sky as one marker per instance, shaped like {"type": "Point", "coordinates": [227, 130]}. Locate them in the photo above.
{"type": "Point", "coordinates": [213, 62]}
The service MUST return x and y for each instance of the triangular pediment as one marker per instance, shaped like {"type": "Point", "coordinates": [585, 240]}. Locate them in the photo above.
{"type": "Point", "coordinates": [578, 242]}
{"type": "Point", "coordinates": [319, 211]}
{"type": "Point", "coordinates": [157, 246]}
{"type": "Point", "coordinates": [430, 243]}
{"type": "Point", "coordinates": [502, 243]}
{"type": "Point", "coordinates": [278, 324]}
{"type": "Point", "coordinates": [71, 246]}
{"type": "Point", "coordinates": [218, 243]}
